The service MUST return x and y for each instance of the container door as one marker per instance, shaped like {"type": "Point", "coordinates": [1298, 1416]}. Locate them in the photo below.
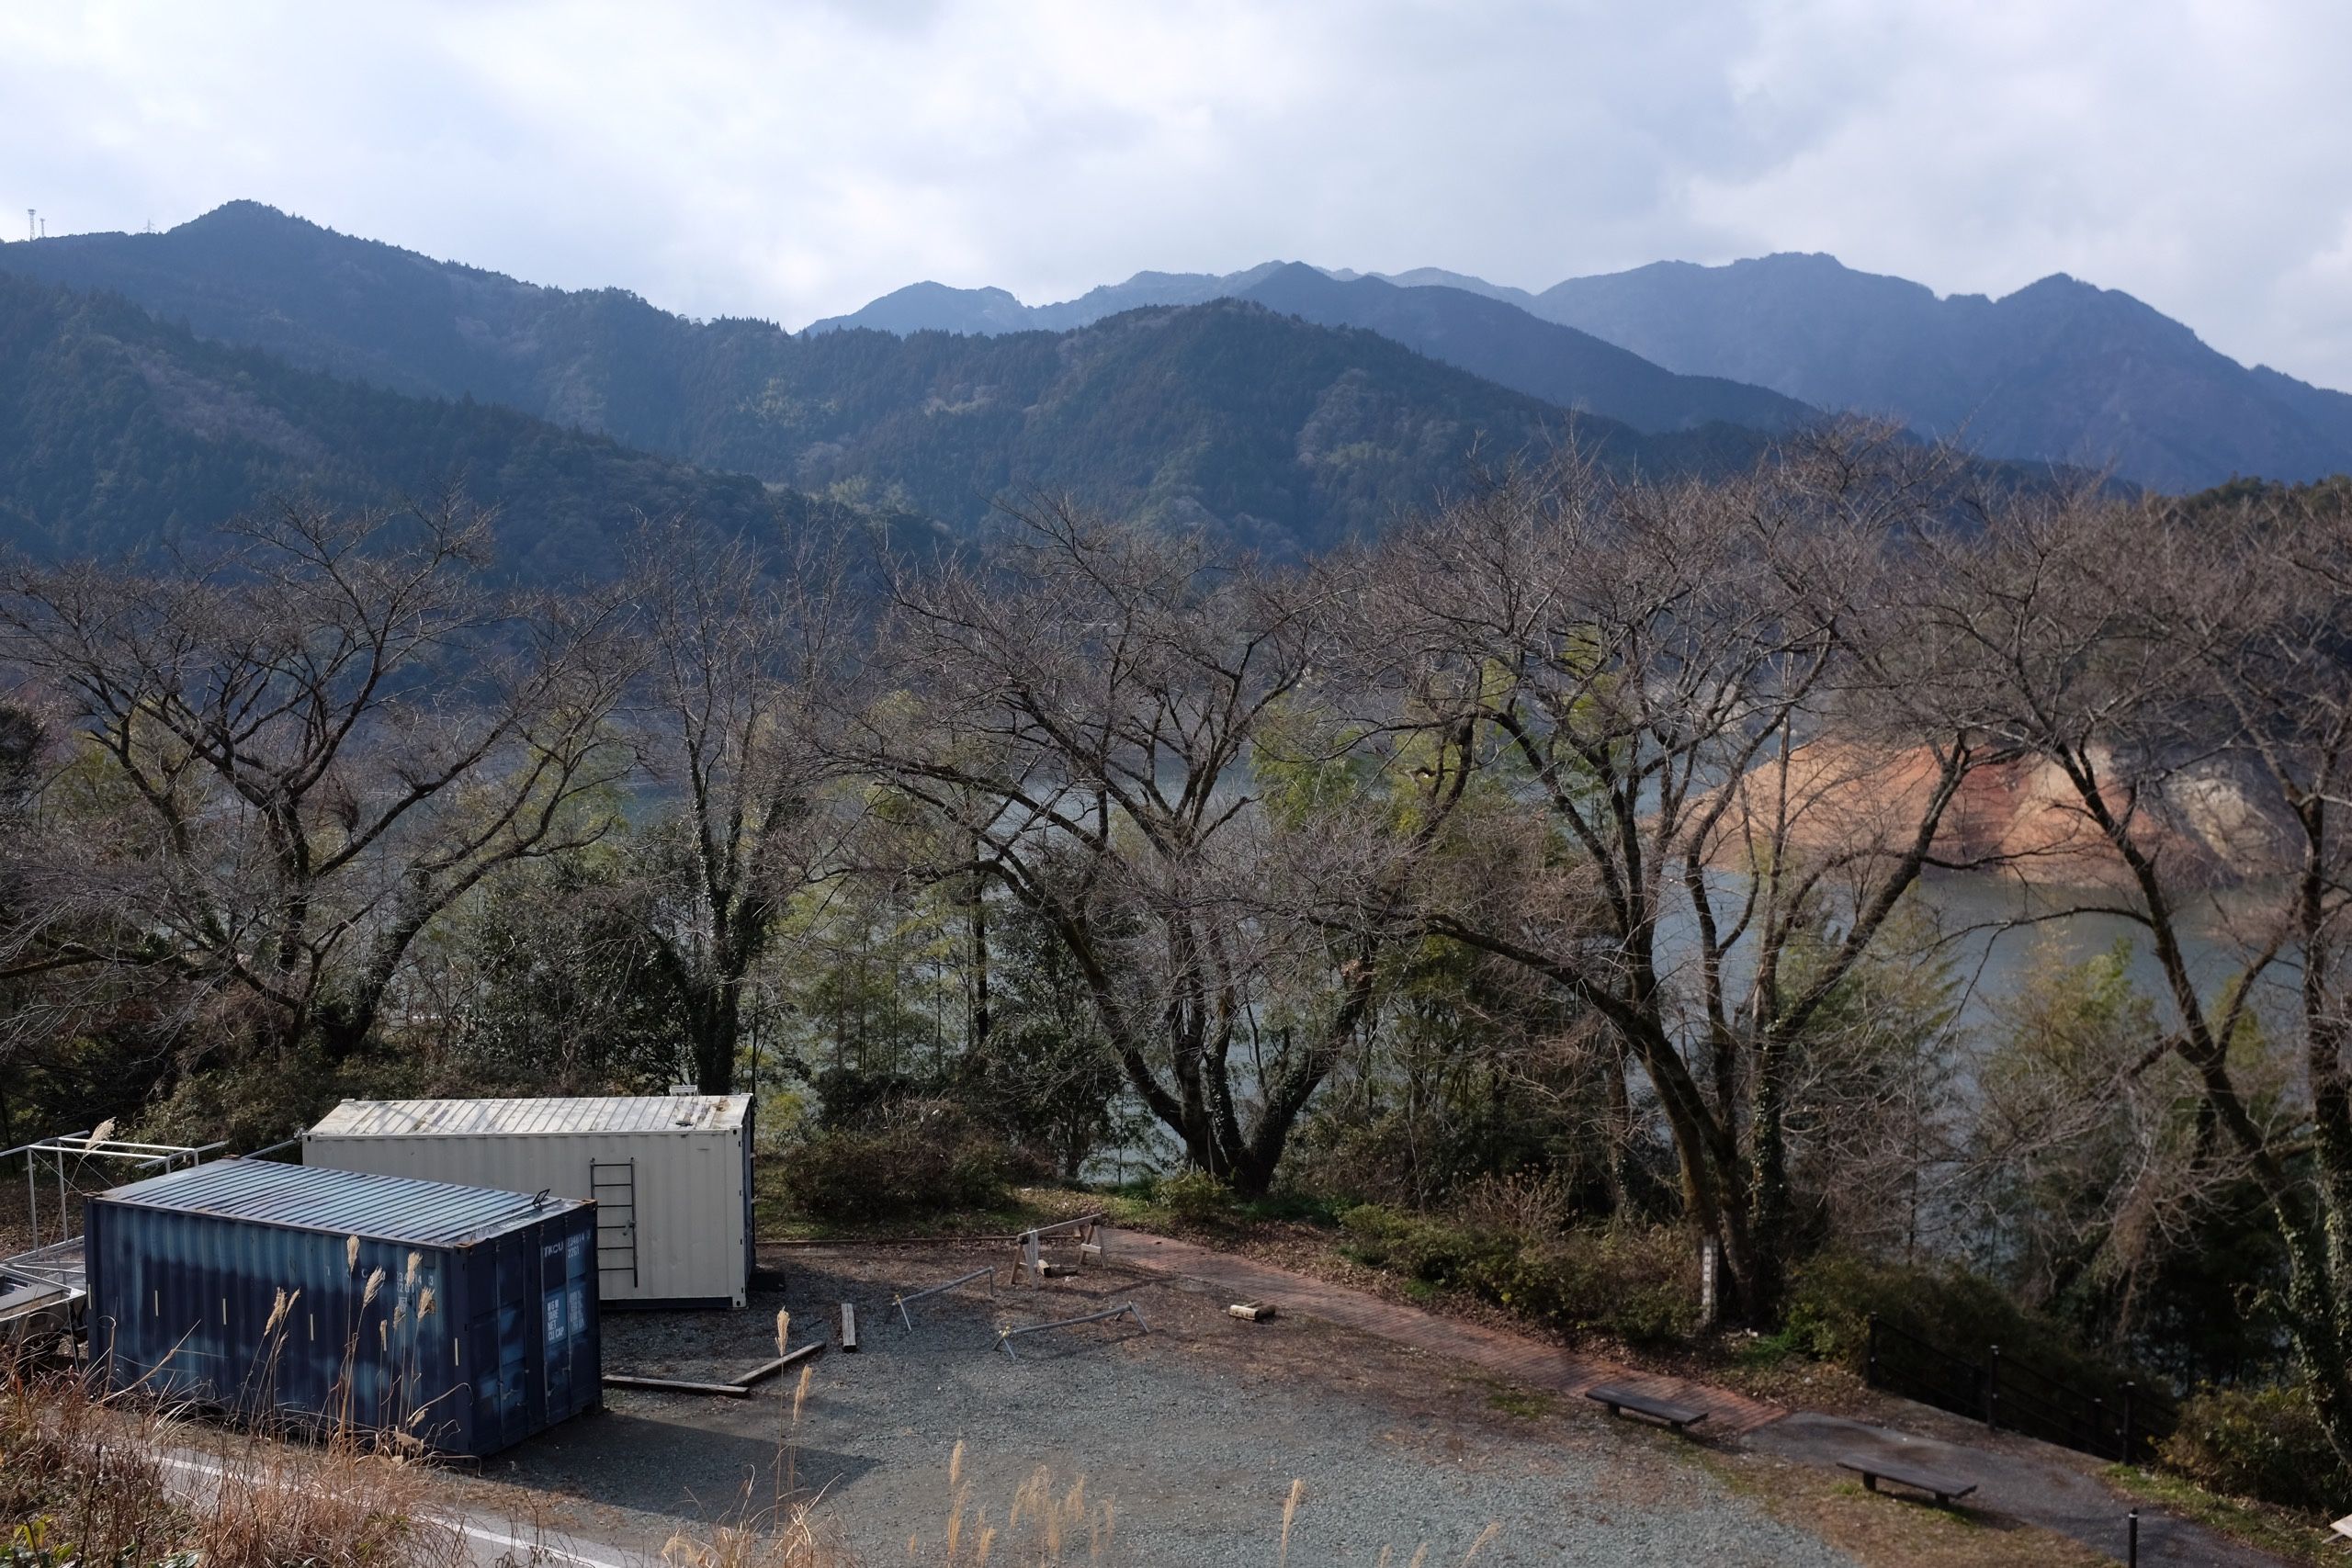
{"type": "Point", "coordinates": [495, 1399]}
{"type": "Point", "coordinates": [581, 1290]}
{"type": "Point", "coordinates": [555, 1319]}
{"type": "Point", "coordinates": [517, 1335]}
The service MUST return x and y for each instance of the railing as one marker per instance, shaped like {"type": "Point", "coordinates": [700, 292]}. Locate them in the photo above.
{"type": "Point", "coordinates": [2006, 1394]}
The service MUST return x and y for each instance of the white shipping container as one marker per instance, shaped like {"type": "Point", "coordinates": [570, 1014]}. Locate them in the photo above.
{"type": "Point", "coordinates": [670, 1174]}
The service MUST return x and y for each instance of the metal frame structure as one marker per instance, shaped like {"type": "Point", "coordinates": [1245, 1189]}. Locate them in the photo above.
{"type": "Point", "coordinates": [57, 1260]}
{"type": "Point", "coordinates": [901, 1302]}
{"type": "Point", "coordinates": [1005, 1337]}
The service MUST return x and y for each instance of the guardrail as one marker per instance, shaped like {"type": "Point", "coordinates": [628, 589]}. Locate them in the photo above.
{"type": "Point", "coordinates": [2126, 1422]}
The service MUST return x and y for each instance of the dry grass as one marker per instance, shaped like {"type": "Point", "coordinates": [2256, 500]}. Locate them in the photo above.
{"type": "Point", "coordinates": [1045, 1523]}
{"type": "Point", "coordinates": [99, 1481]}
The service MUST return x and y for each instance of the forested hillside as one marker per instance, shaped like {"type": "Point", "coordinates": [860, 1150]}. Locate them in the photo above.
{"type": "Point", "coordinates": [117, 431]}
{"type": "Point", "coordinates": [1286, 435]}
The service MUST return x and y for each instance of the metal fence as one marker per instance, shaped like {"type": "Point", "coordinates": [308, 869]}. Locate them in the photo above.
{"type": "Point", "coordinates": [2007, 1393]}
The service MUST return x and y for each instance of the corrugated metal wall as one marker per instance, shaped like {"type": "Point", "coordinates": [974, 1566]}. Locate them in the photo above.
{"type": "Point", "coordinates": [692, 1237]}
{"type": "Point", "coordinates": [466, 1348]}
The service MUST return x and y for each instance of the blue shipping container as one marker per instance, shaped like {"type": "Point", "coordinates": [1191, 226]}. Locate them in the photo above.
{"type": "Point", "coordinates": [461, 1318]}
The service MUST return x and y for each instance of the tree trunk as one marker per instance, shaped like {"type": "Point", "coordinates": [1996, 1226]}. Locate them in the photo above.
{"type": "Point", "coordinates": [1763, 1281]}
{"type": "Point", "coordinates": [979, 956]}
{"type": "Point", "coordinates": [714, 1025]}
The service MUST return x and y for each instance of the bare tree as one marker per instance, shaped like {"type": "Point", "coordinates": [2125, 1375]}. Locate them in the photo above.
{"type": "Point", "coordinates": [291, 756]}
{"type": "Point", "coordinates": [1089, 712]}
{"type": "Point", "coordinates": [747, 657]}
{"type": "Point", "coordinates": [2186, 675]}
{"type": "Point", "coordinates": [1695, 689]}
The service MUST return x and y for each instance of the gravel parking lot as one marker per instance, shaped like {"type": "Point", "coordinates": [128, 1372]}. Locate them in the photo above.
{"type": "Point", "coordinates": [1194, 1431]}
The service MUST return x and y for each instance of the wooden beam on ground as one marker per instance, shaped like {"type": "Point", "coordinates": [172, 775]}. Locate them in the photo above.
{"type": "Point", "coordinates": [849, 1327]}
{"type": "Point", "coordinates": [769, 1369]}
{"type": "Point", "coordinates": [674, 1385]}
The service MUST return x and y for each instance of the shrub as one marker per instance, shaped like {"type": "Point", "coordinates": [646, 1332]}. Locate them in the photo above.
{"type": "Point", "coordinates": [921, 1157]}
{"type": "Point", "coordinates": [1832, 1296]}
{"type": "Point", "coordinates": [1635, 1282]}
{"type": "Point", "coordinates": [1419, 1247]}
{"type": "Point", "coordinates": [1195, 1196]}
{"type": "Point", "coordinates": [849, 1098]}
{"type": "Point", "coordinates": [2266, 1444]}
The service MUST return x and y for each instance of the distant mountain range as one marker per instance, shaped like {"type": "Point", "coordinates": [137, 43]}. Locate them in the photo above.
{"type": "Point", "coordinates": [1468, 329]}
{"type": "Point", "coordinates": [1271, 429]}
{"type": "Point", "coordinates": [2058, 372]}
{"type": "Point", "coordinates": [154, 383]}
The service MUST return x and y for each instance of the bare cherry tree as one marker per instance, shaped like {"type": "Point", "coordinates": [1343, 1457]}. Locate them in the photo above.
{"type": "Point", "coordinates": [747, 656]}
{"type": "Point", "coordinates": [1696, 690]}
{"type": "Point", "coordinates": [288, 757]}
{"type": "Point", "coordinates": [1089, 712]}
{"type": "Point", "coordinates": [2186, 674]}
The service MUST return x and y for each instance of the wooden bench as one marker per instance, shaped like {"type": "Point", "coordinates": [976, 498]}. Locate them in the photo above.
{"type": "Point", "coordinates": [1620, 1400]}
{"type": "Point", "coordinates": [1945, 1490]}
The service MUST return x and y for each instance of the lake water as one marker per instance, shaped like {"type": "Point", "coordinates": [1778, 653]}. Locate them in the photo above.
{"type": "Point", "coordinates": [1990, 932]}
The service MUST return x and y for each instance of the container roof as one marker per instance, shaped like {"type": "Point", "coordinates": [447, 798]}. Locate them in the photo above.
{"type": "Point", "coordinates": [518, 1117]}
{"type": "Point", "coordinates": [346, 1202]}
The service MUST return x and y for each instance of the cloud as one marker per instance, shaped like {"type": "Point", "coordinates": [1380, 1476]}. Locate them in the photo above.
{"type": "Point", "coordinates": [723, 156]}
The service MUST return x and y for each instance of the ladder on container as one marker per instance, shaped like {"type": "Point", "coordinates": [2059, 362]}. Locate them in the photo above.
{"type": "Point", "coordinates": [613, 1184]}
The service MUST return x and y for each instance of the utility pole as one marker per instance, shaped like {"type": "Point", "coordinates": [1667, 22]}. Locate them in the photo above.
{"type": "Point", "coordinates": [28, 222]}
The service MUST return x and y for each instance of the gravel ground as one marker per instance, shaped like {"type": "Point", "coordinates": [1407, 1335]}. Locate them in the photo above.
{"type": "Point", "coordinates": [1194, 1430]}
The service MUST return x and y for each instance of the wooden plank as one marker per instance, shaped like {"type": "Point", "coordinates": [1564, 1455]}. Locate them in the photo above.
{"type": "Point", "coordinates": [1943, 1488]}
{"type": "Point", "coordinates": [849, 1327]}
{"type": "Point", "coordinates": [673, 1385]}
{"type": "Point", "coordinates": [770, 1368]}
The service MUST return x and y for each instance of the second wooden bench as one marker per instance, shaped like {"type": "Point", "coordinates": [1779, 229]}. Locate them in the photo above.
{"type": "Point", "coordinates": [1681, 1418]}
{"type": "Point", "coordinates": [1943, 1488]}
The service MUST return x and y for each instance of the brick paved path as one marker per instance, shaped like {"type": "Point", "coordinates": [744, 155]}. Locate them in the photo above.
{"type": "Point", "coordinates": [1514, 1356]}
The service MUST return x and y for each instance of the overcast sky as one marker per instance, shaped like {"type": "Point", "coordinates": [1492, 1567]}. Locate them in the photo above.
{"type": "Point", "coordinates": [793, 161]}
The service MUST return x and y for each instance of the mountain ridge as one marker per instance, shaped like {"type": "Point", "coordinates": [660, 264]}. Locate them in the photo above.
{"type": "Point", "coordinates": [2059, 370]}
{"type": "Point", "coordinates": [1477, 331]}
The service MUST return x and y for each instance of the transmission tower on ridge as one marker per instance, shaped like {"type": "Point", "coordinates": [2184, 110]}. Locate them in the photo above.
{"type": "Point", "coordinates": [28, 222]}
